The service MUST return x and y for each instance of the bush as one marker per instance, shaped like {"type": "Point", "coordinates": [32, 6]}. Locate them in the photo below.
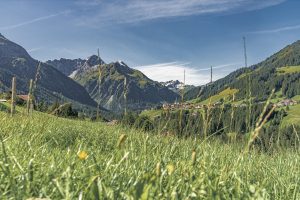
{"type": "Point", "coordinates": [4, 108]}
{"type": "Point", "coordinates": [65, 110]}
{"type": "Point", "coordinates": [144, 123]}
{"type": "Point", "coordinates": [129, 119]}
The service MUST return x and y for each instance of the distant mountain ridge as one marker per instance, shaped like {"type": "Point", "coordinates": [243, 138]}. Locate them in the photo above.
{"type": "Point", "coordinates": [69, 67]}
{"type": "Point", "coordinates": [177, 86]}
{"type": "Point", "coordinates": [66, 66]}
{"type": "Point", "coordinates": [141, 92]}
{"type": "Point", "coordinates": [51, 84]}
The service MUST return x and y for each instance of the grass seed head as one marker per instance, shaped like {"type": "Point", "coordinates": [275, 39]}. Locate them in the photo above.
{"type": "Point", "coordinates": [121, 140]}
{"type": "Point", "coordinates": [194, 157]}
{"type": "Point", "coordinates": [158, 169]}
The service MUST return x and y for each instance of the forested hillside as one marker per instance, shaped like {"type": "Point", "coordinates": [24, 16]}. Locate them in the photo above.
{"type": "Point", "coordinates": [281, 72]}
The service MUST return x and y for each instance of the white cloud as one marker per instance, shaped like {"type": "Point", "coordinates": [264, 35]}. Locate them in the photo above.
{"type": "Point", "coordinates": [277, 30]}
{"type": "Point", "coordinates": [219, 66]}
{"type": "Point", "coordinates": [133, 11]}
{"type": "Point", "coordinates": [175, 71]}
{"type": "Point", "coordinates": [34, 20]}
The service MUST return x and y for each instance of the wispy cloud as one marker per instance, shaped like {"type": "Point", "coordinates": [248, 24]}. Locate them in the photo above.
{"type": "Point", "coordinates": [132, 11]}
{"type": "Point", "coordinates": [277, 30]}
{"type": "Point", "coordinates": [219, 66]}
{"type": "Point", "coordinates": [34, 49]}
{"type": "Point", "coordinates": [175, 70]}
{"type": "Point", "coordinates": [38, 19]}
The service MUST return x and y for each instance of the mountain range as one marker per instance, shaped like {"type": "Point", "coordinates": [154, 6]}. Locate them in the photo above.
{"type": "Point", "coordinates": [115, 85]}
{"type": "Point", "coordinates": [118, 85]}
{"type": "Point", "coordinates": [51, 84]}
{"type": "Point", "coordinates": [177, 86]}
{"type": "Point", "coordinates": [78, 80]}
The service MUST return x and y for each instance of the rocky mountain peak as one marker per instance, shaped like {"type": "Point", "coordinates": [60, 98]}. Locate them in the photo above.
{"type": "Point", "coordinates": [120, 62]}
{"type": "Point", "coordinates": [176, 85]}
{"type": "Point", "coordinates": [9, 49]}
{"type": "Point", "coordinates": [172, 84]}
{"type": "Point", "coordinates": [2, 37]}
{"type": "Point", "coordinates": [94, 60]}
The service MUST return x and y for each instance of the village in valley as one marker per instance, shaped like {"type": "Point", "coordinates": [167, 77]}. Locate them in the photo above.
{"type": "Point", "coordinates": [192, 106]}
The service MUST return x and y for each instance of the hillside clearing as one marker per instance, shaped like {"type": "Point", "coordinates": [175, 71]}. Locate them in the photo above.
{"type": "Point", "coordinates": [225, 95]}
{"type": "Point", "coordinates": [288, 70]}
{"type": "Point", "coordinates": [293, 117]}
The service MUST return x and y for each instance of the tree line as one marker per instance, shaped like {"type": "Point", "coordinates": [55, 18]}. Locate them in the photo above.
{"type": "Point", "coordinates": [225, 122]}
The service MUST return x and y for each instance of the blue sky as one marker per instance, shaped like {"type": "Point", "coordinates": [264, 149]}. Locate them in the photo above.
{"type": "Point", "coordinates": [161, 38]}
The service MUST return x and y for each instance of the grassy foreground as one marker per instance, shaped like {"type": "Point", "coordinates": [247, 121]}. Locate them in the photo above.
{"type": "Point", "coordinates": [53, 158]}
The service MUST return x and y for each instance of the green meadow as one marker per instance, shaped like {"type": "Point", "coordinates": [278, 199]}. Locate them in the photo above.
{"type": "Point", "coordinates": [43, 156]}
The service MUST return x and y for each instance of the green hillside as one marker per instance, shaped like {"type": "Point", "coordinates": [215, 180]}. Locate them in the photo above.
{"type": "Point", "coordinates": [48, 157]}
{"type": "Point", "coordinates": [293, 117]}
{"type": "Point", "coordinates": [280, 71]}
{"type": "Point", "coordinates": [225, 95]}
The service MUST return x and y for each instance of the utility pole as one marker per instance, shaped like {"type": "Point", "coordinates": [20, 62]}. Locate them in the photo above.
{"type": "Point", "coordinates": [249, 88]}
{"type": "Point", "coordinates": [184, 77]}
{"type": "Point", "coordinates": [245, 51]}
{"type": "Point", "coordinates": [183, 87]}
{"type": "Point", "coordinates": [29, 98]}
{"type": "Point", "coordinates": [211, 72]}
{"type": "Point", "coordinates": [13, 96]}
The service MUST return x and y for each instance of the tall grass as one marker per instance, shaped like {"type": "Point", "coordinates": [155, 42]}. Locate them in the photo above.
{"type": "Point", "coordinates": [39, 157]}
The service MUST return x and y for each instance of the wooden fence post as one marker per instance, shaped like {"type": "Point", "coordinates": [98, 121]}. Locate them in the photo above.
{"type": "Point", "coordinates": [29, 97]}
{"type": "Point", "coordinates": [13, 96]}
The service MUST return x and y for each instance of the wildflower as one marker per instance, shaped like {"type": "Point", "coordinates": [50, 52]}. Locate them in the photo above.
{"type": "Point", "coordinates": [82, 155]}
{"type": "Point", "coordinates": [170, 169]}
{"type": "Point", "coordinates": [121, 140]}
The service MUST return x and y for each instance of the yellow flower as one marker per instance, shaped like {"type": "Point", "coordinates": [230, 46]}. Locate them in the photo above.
{"type": "Point", "coordinates": [82, 155]}
{"type": "Point", "coordinates": [170, 169]}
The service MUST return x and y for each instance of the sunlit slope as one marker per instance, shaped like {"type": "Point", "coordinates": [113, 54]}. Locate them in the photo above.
{"type": "Point", "coordinates": [288, 70]}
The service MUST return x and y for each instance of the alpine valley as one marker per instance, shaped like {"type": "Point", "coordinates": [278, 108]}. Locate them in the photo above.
{"type": "Point", "coordinates": [78, 81]}
{"type": "Point", "coordinates": [109, 83]}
